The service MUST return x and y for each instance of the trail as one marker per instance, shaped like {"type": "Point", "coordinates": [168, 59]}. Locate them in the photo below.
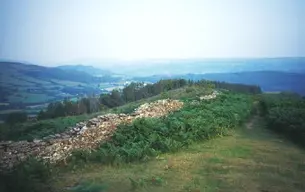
{"type": "Point", "coordinates": [249, 125]}
{"type": "Point", "coordinates": [252, 159]}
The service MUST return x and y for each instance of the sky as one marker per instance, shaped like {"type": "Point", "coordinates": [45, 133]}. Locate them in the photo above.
{"type": "Point", "coordinates": [49, 32]}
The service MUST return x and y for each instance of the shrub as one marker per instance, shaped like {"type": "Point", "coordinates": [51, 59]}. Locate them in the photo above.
{"type": "Point", "coordinates": [16, 117]}
{"type": "Point", "coordinates": [165, 95]}
{"type": "Point", "coordinates": [189, 89]}
{"type": "Point", "coordinates": [29, 176]}
{"type": "Point", "coordinates": [285, 114]}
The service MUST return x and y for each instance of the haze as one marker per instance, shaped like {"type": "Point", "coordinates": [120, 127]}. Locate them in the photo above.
{"type": "Point", "coordinates": [50, 32]}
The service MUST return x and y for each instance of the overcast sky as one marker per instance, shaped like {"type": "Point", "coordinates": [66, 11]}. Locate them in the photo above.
{"type": "Point", "coordinates": [49, 32]}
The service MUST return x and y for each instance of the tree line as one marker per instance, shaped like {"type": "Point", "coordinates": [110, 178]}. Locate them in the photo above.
{"type": "Point", "coordinates": [133, 92]}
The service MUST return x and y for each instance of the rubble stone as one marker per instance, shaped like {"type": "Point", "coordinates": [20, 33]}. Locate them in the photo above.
{"type": "Point", "coordinates": [84, 135]}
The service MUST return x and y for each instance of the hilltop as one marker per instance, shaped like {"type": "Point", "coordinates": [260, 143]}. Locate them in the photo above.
{"type": "Point", "coordinates": [207, 144]}
{"type": "Point", "coordinates": [250, 159]}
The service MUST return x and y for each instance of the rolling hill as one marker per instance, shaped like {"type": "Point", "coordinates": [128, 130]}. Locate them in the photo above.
{"type": "Point", "coordinates": [31, 84]}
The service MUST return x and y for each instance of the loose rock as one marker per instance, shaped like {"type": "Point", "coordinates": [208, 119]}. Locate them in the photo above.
{"type": "Point", "coordinates": [84, 135]}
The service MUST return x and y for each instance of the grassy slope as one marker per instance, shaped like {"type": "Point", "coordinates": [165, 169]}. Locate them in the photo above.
{"type": "Point", "coordinates": [251, 159]}
{"type": "Point", "coordinates": [17, 78]}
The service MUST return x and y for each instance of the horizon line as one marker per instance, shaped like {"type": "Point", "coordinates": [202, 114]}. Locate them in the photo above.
{"type": "Point", "coordinates": [144, 59]}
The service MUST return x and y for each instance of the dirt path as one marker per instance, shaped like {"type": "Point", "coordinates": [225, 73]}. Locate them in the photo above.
{"type": "Point", "coordinates": [249, 125]}
{"type": "Point", "coordinates": [252, 159]}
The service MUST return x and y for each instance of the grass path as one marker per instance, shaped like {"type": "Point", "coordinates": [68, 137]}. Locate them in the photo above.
{"type": "Point", "coordinates": [252, 159]}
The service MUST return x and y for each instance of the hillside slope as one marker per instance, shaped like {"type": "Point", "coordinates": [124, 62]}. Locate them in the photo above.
{"type": "Point", "coordinates": [23, 83]}
{"type": "Point", "coordinates": [86, 69]}
{"type": "Point", "coordinates": [21, 70]}
{"type": "Point", "coordinates": [208, 145]}
{"type": "Point", "coordinates": [251, 159]}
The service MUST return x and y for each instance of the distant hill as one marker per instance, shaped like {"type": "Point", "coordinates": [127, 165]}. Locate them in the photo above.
{"type": "Point", "coordinates": [269, 81]}
{"type": "Point", "coordinates": [225, 65]}
{"type": "Point", "coordinates": [86, 69]}
{"type": "Point", "coordinates": [25, 83]}
{"type": "Point", "coordinates": [9, 69]}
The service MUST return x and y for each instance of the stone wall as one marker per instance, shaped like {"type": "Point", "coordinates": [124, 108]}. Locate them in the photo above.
{"type": "Point", "coordinates": [84, 135]}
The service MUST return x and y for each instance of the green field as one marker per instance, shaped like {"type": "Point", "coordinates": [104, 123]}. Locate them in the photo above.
{"type": "Point", "coordinates": [29, 98]}
{"type": "Point", "coordinates": [67, 83]}
{"type": "Point", "coordinates": [23, 87]}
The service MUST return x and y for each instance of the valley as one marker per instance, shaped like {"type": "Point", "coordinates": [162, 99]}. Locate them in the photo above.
{"type": "Point", "coordinates": [31, 88]}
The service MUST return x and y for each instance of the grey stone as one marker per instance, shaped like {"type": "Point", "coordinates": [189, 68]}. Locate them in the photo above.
{"type": "Point", "coordinates": [55, 148]}
{"type": "Point", "coordinates": [36, 141]}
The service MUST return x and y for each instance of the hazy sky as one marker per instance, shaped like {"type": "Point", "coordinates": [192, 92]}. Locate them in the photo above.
{"type": "Point", "coordinates": [49, 32]}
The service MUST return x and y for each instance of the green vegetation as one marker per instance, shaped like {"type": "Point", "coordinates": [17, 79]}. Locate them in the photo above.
{"type": "Point", "coordinates": [92, 107]}
{"type": "Point", "coordinates": [16, 117]}
{"type": "Point", "coordinates": [29, 176]}
{"type": "Point", "coordinates": [39, 129]}
{"type": "Point", "coordinates": [285, 114]}
{"type": "Point", "coordinates": [23, 85]}
{"type": "Point", "coordinates": [29, 98]}
{"type": "Point", "coordinates": [146, 138]}
{"type": "Point", "coordinates": [86, 186]}
{"type": "Point", "coordinates": [149, 137]}
{"type": "Point", "coordinates": [131, 93]}
{"type": "Point", "coordinates": [185, 151]}
{"type": "Point", "coordinates": [250, 159]}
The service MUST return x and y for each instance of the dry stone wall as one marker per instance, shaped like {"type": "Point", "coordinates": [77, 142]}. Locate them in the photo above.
{"type": "Point", "coordinates": [85, 135]}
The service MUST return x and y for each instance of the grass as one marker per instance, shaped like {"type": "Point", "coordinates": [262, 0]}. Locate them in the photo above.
{"type": "Point", "coordinates": [248, 160]}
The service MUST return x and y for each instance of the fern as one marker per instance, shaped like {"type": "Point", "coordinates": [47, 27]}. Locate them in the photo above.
{"type": "Point", "coordinates": [147, 137]}
{"type": "Point", "coordinates": [89, 187]}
